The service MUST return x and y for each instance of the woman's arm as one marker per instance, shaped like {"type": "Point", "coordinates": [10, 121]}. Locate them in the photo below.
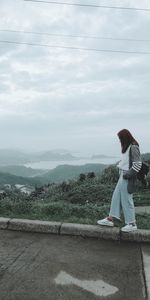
{"type": "Point", "coordinates": [136, 162]}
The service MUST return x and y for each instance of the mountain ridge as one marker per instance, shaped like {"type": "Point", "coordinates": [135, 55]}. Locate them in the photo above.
{"type": "Point", "coordinates": [16, 157]}
{"type": "Point", "coordinates": [58, 174]}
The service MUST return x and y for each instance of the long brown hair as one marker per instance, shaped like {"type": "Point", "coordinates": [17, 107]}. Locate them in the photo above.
{"type": "Point", "coordinates": [126, 139]}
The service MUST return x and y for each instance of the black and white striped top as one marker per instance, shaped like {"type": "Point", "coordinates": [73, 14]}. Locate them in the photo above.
{"type": "Point", "coordinates": [135, 158]}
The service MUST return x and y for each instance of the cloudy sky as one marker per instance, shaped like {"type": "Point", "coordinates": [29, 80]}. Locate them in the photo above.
{"type": "Point", "coordinates": [57, 98]}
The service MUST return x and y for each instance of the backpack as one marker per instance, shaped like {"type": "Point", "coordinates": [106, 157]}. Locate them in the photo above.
{"type": "Point", "coordinates": [145, 168]}
{"type": "Point", "coordinates": [143, 172]}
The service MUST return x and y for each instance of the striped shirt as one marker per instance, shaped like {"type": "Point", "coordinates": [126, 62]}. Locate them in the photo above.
{"type": "Point", "coordinates": [136, 158]}
{"type": "Point", "coordinates": [124, 163]}
{"type": "Point", "coordinates": [136, 166]}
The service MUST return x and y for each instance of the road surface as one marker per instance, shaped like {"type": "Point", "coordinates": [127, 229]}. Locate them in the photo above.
{"type": "Point", "coordinates": [36, 266]}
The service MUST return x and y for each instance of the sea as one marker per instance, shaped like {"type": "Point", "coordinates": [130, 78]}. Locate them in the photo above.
{"type": "Point", "coordinates": [49, 165]}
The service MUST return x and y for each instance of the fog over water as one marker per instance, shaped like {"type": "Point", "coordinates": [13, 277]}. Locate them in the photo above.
{"type": "Point", "coordinates": [53, 164]}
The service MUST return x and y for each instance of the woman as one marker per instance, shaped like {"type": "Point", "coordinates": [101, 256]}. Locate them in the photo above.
{"type": "Point", "coordinates": [129, 166]}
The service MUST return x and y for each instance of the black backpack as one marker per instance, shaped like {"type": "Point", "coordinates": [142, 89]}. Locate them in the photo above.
{"type": "Point", "coordinates": [145, 168]}
{"type": "Point", "coordinates": [143, 172]}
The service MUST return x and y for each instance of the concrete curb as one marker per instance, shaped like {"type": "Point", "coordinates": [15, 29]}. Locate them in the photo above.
{"type": "Point", "coordinates": [90, 231]}
{"type": "Point", "coordinates": [140, 235]}
{"type": "Point", "coordinates": [4, 223]}
{"type": "Point", "coordinates": [95, 231]}
{"type": "Point", "coordinates": [34, 226]}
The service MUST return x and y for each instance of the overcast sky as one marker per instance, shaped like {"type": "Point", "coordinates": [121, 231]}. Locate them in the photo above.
{"type": "Point", "coordinates": [53, 98]}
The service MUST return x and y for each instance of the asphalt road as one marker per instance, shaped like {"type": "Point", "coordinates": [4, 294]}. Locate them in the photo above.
{"type": "Point", "coordinates": [37, 266]}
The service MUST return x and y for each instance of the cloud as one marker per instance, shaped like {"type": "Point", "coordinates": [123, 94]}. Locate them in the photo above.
{"type": "Point", "coordinates": [51, 97]}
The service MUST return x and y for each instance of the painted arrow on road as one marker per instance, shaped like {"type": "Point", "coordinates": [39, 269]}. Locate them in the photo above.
{"type": "Point", "coordinates": [98, 287]}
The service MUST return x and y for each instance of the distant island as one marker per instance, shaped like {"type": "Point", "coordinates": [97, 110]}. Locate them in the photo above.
{"type": "Point", "coordinates": [14, 157]}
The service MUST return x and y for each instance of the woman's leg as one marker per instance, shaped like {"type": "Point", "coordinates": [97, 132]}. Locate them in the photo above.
{"type": "Point", "coordinates": [115, 209]}
{"type": "Point", "coordinates": [127, 203]}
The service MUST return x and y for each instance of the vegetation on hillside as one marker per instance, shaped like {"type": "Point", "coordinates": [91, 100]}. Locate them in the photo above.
{"type": "Point", "coordinates": [58, 174]}
{"type": "Point", "coordinates": [67, 172]}
{"type": "Point", "coordinates": [146, 157]}
{"type": "Point", "coordinates": [6, 178]}
{"type": "Point", "coordinates": [81, 200]}
{"type": "Point", "coordinates": [21, 171]}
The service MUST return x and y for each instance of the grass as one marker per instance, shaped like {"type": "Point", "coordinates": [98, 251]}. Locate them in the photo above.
{"type": "Point", "coordinates": [62, 212]}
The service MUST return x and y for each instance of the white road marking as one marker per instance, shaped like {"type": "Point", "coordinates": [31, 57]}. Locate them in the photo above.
{"type": "Point", "coordinates": [98, 287]}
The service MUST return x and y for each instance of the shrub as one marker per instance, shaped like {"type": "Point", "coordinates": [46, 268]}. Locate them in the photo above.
{"type": "Point", "coordinates": [110, 175]}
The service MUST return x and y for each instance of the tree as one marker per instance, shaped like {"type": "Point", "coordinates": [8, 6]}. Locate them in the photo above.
{"type": "Point", "coordinates": [91, 175]}
{"type": "Point", "coordinates": [82, 177]}
{"type": "Point", "coordinates": [64, 186]}
{"type": "Point", "coordinates": [110, 175]}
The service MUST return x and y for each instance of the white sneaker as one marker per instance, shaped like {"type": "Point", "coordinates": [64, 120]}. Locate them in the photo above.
{"type": "Point", "coordinates": [105, 222]}
{"type": "Point", "coordinates": [129, 228]}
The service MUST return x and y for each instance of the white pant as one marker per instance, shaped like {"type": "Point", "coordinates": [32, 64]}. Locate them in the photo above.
{"type": "Point", "coordinates": [121, 199]}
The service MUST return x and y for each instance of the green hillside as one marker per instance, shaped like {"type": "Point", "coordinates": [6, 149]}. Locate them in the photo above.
{"type": "Point", "coordinates": [22, 174]}
{"type": "Point", "coordinates": [22, 171]}
{"type": "Point", "coordinates": [146, 157]}
{"type": "Point", "coordinates": [66, 172]}
{"type": "Point", "coordinates": [58, 174]}
{"type": "Point", "coordinates": [6, 178]}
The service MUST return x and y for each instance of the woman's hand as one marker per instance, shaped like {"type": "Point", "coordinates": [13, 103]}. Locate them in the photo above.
{"type": "Point", "coordinates": [129, 174]}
